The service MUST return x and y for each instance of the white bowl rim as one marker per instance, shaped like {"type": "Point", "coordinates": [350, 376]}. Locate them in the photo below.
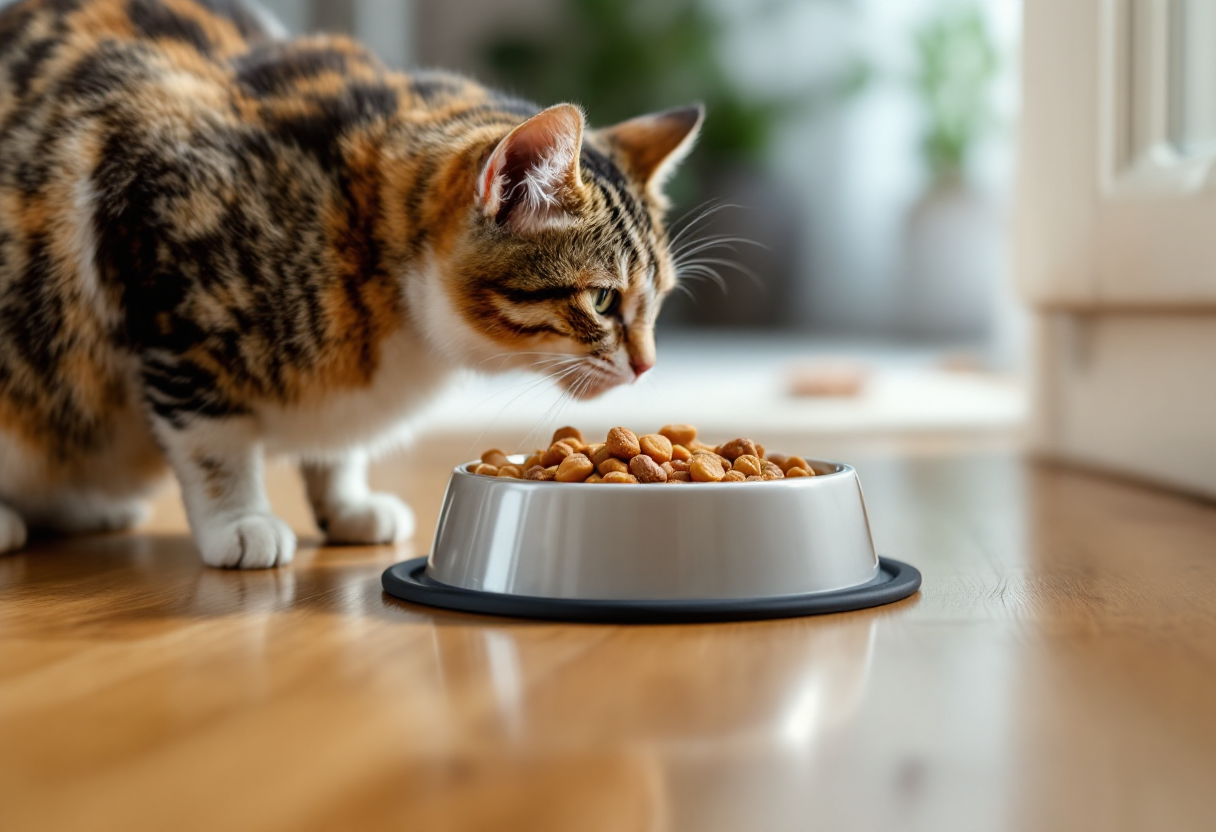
{"type": "Point", "coordinates": [842, 469]}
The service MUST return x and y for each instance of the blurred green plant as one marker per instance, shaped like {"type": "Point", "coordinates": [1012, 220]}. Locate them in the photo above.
{"type": "Point", "coordinates": [956, 64]}
{"type": "Point", "coordinates": [622, 58]}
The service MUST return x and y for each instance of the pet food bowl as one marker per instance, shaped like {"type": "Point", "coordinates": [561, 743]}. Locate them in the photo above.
{"type": "Point", "coordinates": [653, 552]}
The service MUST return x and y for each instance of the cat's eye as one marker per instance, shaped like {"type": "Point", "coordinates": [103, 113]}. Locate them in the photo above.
{"type": "Point", "coordinates": [606, 300]}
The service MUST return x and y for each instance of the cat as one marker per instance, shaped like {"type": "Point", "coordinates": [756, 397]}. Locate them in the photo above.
{"type": "Point", "coordinates": [217, 243]}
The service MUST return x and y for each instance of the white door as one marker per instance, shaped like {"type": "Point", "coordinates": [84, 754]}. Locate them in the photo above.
{"type": "Point", "coordinates": [1117, 232]}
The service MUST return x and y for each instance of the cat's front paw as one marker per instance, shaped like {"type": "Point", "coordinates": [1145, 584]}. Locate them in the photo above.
{"type": "Point", "coordinates": [376, 518]}
{"type": "Point", "coordinates": [12, 531]}
{"type": "Point", "coordinates": [247, 541]}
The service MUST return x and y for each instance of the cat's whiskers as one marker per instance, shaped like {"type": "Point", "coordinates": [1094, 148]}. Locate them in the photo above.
{"type": "Point", "coordinates": [558, 407]}
{"type": "Point", "coordinates": [555, 368]}
{"type": "Point", "coordinates": [704, 273]}
{"type": "Point", "coordinates": [532, 384]}
{"type": "Point", "coordinates": [699, 244]}
{"type": "Point", "coordinates": [518, 354]}
{"type": "Point", "coordinates": [707, 263]}
{"type": "Point", "coordinates": [689, 266]}
{"type": "Point", "coordinates": [708, 209]}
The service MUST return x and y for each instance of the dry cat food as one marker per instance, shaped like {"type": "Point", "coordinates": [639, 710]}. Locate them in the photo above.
{"type": "Point", "coordinates": [673, 455]}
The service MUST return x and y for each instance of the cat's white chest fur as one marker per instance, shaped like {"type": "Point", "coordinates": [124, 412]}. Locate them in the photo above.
{"type": "Point", "coordinates": [407, 378]}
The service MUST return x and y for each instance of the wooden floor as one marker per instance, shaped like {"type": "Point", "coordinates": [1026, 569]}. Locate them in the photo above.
{"type": "Point", "coordinates": [1056, 672]}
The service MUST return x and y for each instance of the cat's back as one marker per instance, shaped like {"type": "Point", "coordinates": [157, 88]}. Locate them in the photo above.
{"type": "Point", "coordinates": [76, 76]}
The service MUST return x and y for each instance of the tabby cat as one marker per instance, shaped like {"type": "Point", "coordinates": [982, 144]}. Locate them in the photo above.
{"type": "Point", "coordinates": [217, 243]}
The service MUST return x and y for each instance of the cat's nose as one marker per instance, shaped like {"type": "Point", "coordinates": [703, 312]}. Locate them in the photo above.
{"type": "Point", "coordinates": [640, 367]}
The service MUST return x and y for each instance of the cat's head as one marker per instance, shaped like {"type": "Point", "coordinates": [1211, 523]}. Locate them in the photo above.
{"type": "Point", "coordinates": [565, 258]}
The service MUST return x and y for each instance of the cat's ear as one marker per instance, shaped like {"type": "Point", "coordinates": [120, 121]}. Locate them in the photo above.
{"type": "Point", "coordinates": [651, 147]}
{"type": "Point", "coordinates": [531, 182]}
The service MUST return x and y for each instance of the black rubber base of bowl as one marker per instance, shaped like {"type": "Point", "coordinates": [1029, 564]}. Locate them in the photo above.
{"type": "Point", "coordinates": [408, 581]}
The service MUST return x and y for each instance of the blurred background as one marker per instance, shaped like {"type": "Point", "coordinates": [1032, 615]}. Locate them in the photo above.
{"type": "Point", "coordinates": [863, 152]}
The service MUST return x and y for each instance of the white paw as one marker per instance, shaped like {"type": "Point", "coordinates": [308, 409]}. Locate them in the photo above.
{"type": "Point", "coordinates": [247, 541]}
{"type": "Point", "coordinates": [376, 518]}
{"type": "Point", "coordinates": [12, 531]}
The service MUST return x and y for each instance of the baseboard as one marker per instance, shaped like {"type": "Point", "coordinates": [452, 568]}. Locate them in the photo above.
{"type": "Point", "coordinates": [1130, 393]}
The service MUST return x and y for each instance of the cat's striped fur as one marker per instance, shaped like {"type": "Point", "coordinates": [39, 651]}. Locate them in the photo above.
{"type": "Point", "coordinates": [215, 243]}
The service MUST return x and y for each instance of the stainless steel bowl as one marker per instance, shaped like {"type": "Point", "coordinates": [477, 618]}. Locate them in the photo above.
{"type": "Point", "coordinates": [654, 542]}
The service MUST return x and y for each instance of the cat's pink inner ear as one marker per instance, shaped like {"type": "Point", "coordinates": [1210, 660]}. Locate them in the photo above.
{"type": "Point", "coordinates": [531, 181]}
{"type": "Point", "coordinates": [652, 146]}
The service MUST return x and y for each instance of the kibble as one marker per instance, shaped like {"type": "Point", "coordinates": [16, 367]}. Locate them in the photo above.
{"type": "Point", "coordinates": [672, 455]}
{"type": "Point", "coordinates": [542, 473]}
{"type": "Point", "coordinates": [656, 446]}
{"type": "Point", "coordinates": [770, 471]}
{"type": "Point", "coordinates": [706, 468]}
{"type": "Point", "coordinates": [795, 462]}
{"type": "Point", "coordinates": [612, 464]}
{"type": "Point", "coordinates": [679, 434]}
{"type": "Point", "coordinates": [736, 448]}
{"type": "Point", "coordinates": [567, 433]}
{"type": "Point", "coordinates": [748, 465]}
{"type": "Point", "coordinates": [575, 468]}
{"type": "Point", "coordinates": [556, 453]}
{"type": "Point", "coordinates": [494, 457]}
{"type": "Point", "coordinates": [623, 443]}
{"type": "Point", "coordinates": [646, 469]}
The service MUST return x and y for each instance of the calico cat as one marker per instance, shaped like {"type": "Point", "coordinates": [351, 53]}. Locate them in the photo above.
{"type": "Point", "coordinates": [216, 243]}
